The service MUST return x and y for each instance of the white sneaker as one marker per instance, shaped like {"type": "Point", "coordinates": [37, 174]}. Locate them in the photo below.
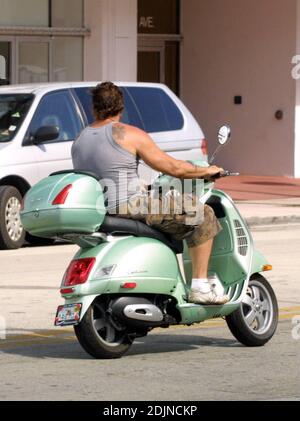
{"type": "Point", "coordinates": [198, 297]}
{"type": "Point", "coordinates": [216, 285]}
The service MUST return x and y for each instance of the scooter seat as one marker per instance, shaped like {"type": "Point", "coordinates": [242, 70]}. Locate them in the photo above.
{"type": "Point", "coordinates": [123, 226]}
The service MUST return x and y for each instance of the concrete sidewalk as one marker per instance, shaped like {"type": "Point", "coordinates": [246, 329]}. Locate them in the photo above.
{"type": "Point", "coordinates": [264, 200]}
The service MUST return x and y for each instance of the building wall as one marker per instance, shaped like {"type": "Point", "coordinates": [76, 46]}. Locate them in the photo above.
{"type": "Point", "coordinates": [297, 112]}
{"type": "Point", "coordinates": [111, 50]}
{"type": "Point", "coordinates": [242, 47]}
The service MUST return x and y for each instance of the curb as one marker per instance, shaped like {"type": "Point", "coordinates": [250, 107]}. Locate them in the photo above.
{"type": "Point", "coordinates": [272, 220]}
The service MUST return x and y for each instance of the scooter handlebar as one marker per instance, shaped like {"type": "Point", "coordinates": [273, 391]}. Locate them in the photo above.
{"type": "Point", "coordinates": [229, 174]}
{"type": "Point", "coordinates": [222, 174]}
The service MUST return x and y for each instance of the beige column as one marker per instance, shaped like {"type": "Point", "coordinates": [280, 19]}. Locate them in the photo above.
{"type": "Point", "coordinates": [111, 50]}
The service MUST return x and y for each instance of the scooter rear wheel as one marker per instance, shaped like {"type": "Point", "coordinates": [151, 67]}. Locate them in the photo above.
{"type": "Point", "coordinates": [256, 320]}
{"type": "Point", "coordinates": [99, 336]}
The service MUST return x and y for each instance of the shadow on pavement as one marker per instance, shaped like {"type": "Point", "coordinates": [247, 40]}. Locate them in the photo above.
{"type": "Point", "coordinates": [46, 244]}
{"type": "Point", "coordinates": [69, 349]}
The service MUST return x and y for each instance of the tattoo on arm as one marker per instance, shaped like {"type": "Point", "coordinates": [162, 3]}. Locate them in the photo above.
{"type": "Point", "coordinates": [119, 132]}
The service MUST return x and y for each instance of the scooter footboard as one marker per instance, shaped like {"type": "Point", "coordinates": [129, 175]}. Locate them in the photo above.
{"type": "Point", "coordinates": [193, 313]}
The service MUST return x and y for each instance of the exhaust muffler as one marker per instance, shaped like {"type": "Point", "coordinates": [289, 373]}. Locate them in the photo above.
{"type": "Point", "coordinates": [137, 311]}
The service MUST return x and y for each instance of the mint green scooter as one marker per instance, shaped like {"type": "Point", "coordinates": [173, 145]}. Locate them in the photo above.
{"type": "Point", "coordinates": [127, 278]}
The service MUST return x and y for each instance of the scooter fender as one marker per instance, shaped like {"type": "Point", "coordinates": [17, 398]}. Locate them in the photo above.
{"type": "Point", "coordinates": [259, 262]}
{"type": "Point", "coordinates": [86, 301]}
{"type": "Point", "coordinates": [127, 266]}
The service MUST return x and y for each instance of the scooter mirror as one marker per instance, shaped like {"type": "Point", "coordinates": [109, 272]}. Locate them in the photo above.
{"type": "Point", "coordinates": [224, 135]}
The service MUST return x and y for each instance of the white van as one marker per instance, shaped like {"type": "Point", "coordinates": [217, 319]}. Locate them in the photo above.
{"type": "Point", "coordinates": [38, 124]}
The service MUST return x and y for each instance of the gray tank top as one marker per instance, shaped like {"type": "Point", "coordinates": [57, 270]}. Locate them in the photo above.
{"type": "Point", "coordinates": [95, 150]}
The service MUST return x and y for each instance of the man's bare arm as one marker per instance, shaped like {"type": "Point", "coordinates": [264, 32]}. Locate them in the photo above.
{"type": "Point", "coordinates": [153, 156]}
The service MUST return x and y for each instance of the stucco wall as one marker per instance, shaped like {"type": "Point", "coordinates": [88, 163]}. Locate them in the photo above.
{"type": "Point", "coordinates": [242, 47]}
{"type": "Point", "coordinates": [297, 113]}
{"type": "Point", "coordinates": [111, 50]}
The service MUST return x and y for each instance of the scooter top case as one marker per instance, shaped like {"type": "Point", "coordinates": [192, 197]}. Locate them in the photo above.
{"type": "Point", "coordinates": [67, 202]}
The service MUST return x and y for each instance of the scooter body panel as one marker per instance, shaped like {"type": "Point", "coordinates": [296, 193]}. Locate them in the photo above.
{"type": "Point", "coordinates": [147, 263]}
{"type": "Point", "coordinates": [232, 252]}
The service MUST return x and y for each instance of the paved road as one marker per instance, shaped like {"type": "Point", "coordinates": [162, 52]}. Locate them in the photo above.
{"type": "Point", "coordinates": [38, 362]}
{"type": "Point", "coordinates": [181, 364]}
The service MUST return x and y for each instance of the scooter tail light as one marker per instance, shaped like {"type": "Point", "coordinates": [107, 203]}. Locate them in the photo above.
{"type": "Point", "coordinates": [129, 285]}
{"type": "Point", "coordinates": [78, 271]}
{"type": "Point", "coordinates": [65, 291]}
{"type": "Point", "coordinates": [204, 146]}
{"type": "Point", "coordinates": [62, 195]}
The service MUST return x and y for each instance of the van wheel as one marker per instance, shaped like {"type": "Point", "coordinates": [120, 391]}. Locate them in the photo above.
{"type": "Point", "coordinates": [255, 321]}
{"type": "Point", "coordinates": [99, 337]}
{"type": "Point", "coordinates": [12, 233]}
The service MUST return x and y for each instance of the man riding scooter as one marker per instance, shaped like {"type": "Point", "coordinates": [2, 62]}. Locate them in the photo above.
{"type": "Point", "coordinates": [112, 150]}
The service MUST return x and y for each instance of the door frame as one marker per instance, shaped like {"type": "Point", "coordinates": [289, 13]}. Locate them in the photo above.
{"type": "Point", "coordinates": [158, 42]}
{"type": "Point", "coordinates": [14, 59]}
{"type": "Point", "coordinates": [12, 63]}
{"type": "Point", "coordinates": [155, 46]}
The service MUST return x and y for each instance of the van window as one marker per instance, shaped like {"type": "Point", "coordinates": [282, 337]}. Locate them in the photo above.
{"type": "Point", "coordinates": [129, 116]}
{"type": "Point", "coordinates": [57, 109]}
{"type": "Point", "coordinates": [13, 110]}
{"type": "Point", "coordinates": [85, 97]}
{"type": "Point", "coordinates": [159, 113]}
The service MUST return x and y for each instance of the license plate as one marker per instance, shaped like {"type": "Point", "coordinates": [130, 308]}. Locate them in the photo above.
{"type": "Point", "coordinates": [68, 315]}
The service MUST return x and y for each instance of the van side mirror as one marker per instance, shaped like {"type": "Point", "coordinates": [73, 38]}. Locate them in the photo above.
{"type": "Point", "coordinates": [45, 134]}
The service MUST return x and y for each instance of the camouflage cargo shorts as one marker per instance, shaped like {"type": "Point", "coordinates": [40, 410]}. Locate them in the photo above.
{"type": "Point", "coordinates": [184, 218]}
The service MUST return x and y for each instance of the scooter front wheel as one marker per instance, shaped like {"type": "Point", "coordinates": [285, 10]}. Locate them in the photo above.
{"type": "Point", "coordinates": [256, 320]}
{"type": "Point", "coordinates": [99, 335]}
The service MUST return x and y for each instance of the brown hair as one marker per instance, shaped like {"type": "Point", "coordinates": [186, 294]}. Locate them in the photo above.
{"type": "Point", "coordinates": [108, 100]}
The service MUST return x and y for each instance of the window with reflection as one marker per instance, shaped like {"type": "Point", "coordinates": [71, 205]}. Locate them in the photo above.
{"type": "Point", "coordinates": [13, 13]}
{"type": "Point", "coordinates": [67, 13]}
